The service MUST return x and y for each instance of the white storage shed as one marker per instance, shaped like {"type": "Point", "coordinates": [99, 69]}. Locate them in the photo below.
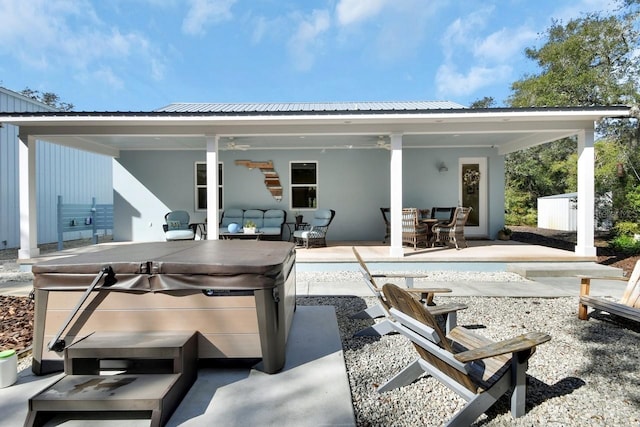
{"type": "Point", "coordinates": [558, 212]}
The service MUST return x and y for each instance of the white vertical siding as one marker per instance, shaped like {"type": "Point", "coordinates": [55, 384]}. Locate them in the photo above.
{"type": "Point", "coordinates": [76, 175]}
{"type": "Point", "coordinates": [558, 213]}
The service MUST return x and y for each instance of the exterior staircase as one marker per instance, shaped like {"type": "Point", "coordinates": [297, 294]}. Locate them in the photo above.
{"type": "Point", "coordinates": [145, 373]}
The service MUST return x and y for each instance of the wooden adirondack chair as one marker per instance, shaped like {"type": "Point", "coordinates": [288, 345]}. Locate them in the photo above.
{"type": "Point", "coordinates": [628, 306]}
{"type": "Point", "coordinates": [425, 296]}
{"type": "Point", "coordinates": [476, 368]}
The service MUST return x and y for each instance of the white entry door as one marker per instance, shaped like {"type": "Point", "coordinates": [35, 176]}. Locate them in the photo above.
{"type": "Point", "coordinates": [473, 185]}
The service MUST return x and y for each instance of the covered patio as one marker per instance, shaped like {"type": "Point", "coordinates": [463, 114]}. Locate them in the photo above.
{"type": "Point", "coordinates": [405, 148]}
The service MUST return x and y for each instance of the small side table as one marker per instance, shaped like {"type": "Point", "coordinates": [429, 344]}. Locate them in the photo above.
{"type": "Point", "coordinates": [243, 236]}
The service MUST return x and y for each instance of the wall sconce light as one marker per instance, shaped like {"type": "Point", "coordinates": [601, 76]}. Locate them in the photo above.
{"type": "Point", "coordinates": [442, 167]}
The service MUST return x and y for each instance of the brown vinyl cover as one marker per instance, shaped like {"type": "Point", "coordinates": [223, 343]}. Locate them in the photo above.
{"type": "Point", "coordinates": [167, 266]}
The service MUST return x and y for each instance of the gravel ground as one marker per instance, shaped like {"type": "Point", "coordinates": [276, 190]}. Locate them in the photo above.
{"type": "Point", "coordinates": [587, 375]}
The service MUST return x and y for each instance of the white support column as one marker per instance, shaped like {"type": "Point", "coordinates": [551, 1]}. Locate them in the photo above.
{"type": "Point", "coordinates": [395, 250]}
{"type": "Point", "coordinates": [586, 192]}
{"type": "Point", "coordinates": [28, 198]}
{"type": "Point", "coordinates": [212, 187]}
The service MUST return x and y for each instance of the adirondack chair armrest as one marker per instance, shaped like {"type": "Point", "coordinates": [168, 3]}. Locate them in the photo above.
{"type": "Point", "coordinates": [447, 308]}
{"type": "Point", "coordinates": [400, 276]}
{"type": "Point", "coordinates": [620, 278]}
{"type": "Point", "coordinates": [517, 344]}
{"type": "Point", "coordinates": [585, 282]}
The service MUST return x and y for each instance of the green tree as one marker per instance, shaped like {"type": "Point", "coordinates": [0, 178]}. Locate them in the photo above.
{"type": "Point", "coordinates": [588, 61]}
{"type": "Point", "coordinates": [486, 102]}
{"type": "Point", "coordinates": [48, 98]}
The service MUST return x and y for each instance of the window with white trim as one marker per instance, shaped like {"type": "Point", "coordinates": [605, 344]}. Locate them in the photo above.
{"type": "Point", "coordinates": [303, 178]}
{"type": "Point", "coordinates": [201, 186]}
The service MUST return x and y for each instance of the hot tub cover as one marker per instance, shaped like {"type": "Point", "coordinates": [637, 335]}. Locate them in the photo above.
{"type": "Point", "coordinates": [167, 266]}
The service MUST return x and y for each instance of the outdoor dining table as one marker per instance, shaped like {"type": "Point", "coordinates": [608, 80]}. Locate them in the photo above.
{"type": "Point", "coordinates": [429, 223]}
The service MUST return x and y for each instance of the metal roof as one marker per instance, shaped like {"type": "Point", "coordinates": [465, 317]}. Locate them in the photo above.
{"type": "Point", "coordinates": [309, 107]}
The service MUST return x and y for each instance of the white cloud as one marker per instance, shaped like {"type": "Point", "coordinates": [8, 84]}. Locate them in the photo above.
{"type": "Point", "coordinates": [473, 59]}
{"type": "Point", "coordinates": [503, 44]}
{"type": "Point", "coordinates": [306, 42]}
{"type": "Point", "coordinates": [450, 82]}
{"type": "Point", "coordinates": [69, 35]}
{"type": "Point", "coordinates": [385, 29]}
{"type": "Point", "coordinates": [205, 12]}
{"type": "Point", "coordinates": [353, 11]}
{"type": "Point", "coordinates": [462, 32]}
{"type": "Point", "coordinates": [107, 75]}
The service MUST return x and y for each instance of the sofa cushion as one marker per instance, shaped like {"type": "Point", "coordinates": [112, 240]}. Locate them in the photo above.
{"type": "Point", "coordinates": [179, 235]}
{"type": "Point", "coordinates": [274, 218]}
{"type": "Point", "coordinates": [255, 215]}
{"type": "Point", "coordinates": [175, 225]}
{"type": "Point", "coordinates": [231, 215]}
{"type": "Point", "coordinates": [271, 231]}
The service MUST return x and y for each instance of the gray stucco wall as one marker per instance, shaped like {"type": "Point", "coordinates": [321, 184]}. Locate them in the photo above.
{"type": "Point", "coordinates": [148, 184]}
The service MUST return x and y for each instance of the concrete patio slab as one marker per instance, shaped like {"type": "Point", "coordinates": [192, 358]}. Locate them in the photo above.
{"type": "Point", "coordinates": [311, 390]}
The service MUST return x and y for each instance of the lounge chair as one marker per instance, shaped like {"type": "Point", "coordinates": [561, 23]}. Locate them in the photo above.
{"type": "Point", "coordinates": [628, 306]}
{"type": "Point", "coordinates": [381, 309]}
{"type": "Point", "coordinates": [177, 226]}
{"type": "Point", "coordinates": [476, 368]}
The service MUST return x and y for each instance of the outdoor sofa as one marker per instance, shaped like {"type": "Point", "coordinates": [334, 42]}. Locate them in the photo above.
{"type": "Point", "coordinates": [270, 222]}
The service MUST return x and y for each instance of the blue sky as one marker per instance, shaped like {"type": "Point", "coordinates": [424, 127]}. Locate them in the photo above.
{"type": "Point", "coordinates": [138, 55]}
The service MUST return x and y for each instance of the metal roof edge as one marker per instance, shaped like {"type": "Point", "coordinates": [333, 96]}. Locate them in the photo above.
{"type": "Point", "coordinates": [623, 110]}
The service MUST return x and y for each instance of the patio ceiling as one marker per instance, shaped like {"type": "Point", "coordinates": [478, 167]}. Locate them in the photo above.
{"type": "Point", "coordinates": [507, 130]}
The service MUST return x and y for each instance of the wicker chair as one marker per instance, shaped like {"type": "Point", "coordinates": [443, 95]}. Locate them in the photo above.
{"type": "Point", "coordinates": [454, 231]}
{"type": "Point", "coordinates": [315, 233]}
{"type": "Point", "coordinates": [413, 232]}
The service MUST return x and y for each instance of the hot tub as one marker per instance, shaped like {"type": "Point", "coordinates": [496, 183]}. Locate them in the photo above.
{"type": "Point", "coordinates": [238, 295]}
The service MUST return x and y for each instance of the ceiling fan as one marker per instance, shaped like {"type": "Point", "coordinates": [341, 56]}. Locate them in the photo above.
{"type": "Point", "coordinates": [382, 143]}
{"type": "Point", "coordinates": [231, 145]}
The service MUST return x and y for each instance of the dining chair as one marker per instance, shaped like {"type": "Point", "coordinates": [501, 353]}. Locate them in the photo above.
{"type": "Point", "coordinates": [454, 231]}
{"type": "Point", "coordinates": [413, 232]}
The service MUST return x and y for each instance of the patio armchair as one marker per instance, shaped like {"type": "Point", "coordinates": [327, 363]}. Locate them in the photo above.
{"type": "Point", "coordinates": [413, 232]}
{"type": "Point", "coordinates": [177, 226]}
{"type": "Point", "coordinates": [315, 232]}
{"type": "Point", "coordinates": [452, 232]}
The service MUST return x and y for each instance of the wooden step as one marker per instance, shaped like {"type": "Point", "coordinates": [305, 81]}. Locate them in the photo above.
{"type": "Point", "coordinates": [147, 350]}
{"type": "Point", "coordinates": [158, 394]}
{"type": "Point", "coordinates": [159, 368]}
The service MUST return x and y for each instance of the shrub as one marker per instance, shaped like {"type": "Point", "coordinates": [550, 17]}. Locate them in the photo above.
{"type": "Point", "coordinates": [626, 228]}
{"type": "Point", "coordinates": [625, 244]}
